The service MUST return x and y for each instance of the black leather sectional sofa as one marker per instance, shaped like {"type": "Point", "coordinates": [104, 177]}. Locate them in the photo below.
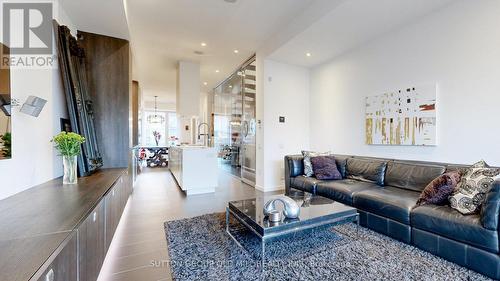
{"type": "Point", "coordinates": [385, 192]}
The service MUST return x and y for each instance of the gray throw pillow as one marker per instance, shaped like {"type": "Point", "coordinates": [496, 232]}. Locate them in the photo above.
{"type": "Point", "coordinates": [473, 187]}
{"type": "Point", "coordinates": [308, 168]}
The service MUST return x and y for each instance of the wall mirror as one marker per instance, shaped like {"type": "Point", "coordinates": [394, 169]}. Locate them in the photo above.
{"type": "Point", "coordinates": [5, 104]}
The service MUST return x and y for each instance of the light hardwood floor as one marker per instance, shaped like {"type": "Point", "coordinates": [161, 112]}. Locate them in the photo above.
{"type": "Point", "coordinates": [140, 238]}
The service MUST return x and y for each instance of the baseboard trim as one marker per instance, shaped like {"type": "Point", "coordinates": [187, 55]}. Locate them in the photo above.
{"type": "Point", "coordinates": [269, 189]}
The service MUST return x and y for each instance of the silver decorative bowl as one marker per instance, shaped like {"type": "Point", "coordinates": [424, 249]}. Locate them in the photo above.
{"type": "Point", "coordinates": [291, 209]}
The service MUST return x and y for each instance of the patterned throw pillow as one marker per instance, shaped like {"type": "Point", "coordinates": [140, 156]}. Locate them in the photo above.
{"type": "Point", "coordinates": [325, 168]}
{"type": "Point", "coordinates": [439, 189]}
{"type": "Point", "coordinates": [308, 168]}
{"type": "Point", "coordinates": [480, 164]}
{"type": "Point", "coordinates": [472, 189]}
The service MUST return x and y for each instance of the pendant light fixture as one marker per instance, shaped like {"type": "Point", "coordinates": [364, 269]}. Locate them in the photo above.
{"type": "Point", "coordinates": [156, 119]}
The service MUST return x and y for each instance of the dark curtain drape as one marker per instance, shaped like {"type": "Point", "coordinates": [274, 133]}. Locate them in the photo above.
{"type": "Point", "coordinates": [71, 59]}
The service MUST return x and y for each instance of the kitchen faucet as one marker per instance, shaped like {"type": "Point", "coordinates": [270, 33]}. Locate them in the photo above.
{"type": "Point", "coordinates": [206, 135]}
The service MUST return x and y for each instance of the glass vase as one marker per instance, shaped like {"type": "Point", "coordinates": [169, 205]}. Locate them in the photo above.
{"type": "Point", "coordinates": [70, 174]}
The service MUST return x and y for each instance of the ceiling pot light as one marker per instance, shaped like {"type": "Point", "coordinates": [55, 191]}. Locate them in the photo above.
{"type": "Point", "coordinates": [217, 71]}
{"type": "Point", "coordinates": [308, 54]}
{"type": "Point", "coordinates": [205, 83]}
{"type": "Point", "coordinates": [203, 44]}
{"type": "Point", "coordinates": [230, 1]}
{"type": "Point", "coordinates": [236, 51]}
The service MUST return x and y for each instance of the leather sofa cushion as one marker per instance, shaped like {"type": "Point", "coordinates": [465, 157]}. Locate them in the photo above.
{"type": "Point", "coordinates": [463, 254]}
{"type": "Point", "coordinates": [491, 207]}
{"type": "Point", "coordinates": [457, 167]}
{"type": "Point", "coordinates": [390, 202]}
{"type": "Point", "coordinates": [411, 176]}
{"type": "Point", "coordinates": [448, 222]}
{"type": "Point", "coordinates": [304, 183]}
{"type": "Point", "coordinates": [295, 165]}
{"type": "Point", "coordinates": [341, 164]}
{"type": "Point", "coordinates": [342, 190]}
{"type": "Point", "coordinates": [369, 170]}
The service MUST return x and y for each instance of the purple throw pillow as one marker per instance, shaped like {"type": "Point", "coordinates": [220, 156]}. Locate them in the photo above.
{"type": "Point", "coordinates": [325, 168]}
{"type": "Point", "coordinates": [439, 189]}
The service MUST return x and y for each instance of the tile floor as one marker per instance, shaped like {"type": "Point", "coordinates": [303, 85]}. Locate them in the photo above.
{"type": "Point", "coordinates": [139, 250]}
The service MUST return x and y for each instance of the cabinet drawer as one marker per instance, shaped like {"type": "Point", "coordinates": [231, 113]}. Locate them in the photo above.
{"type": "Point", "coordinates": [64, 265]}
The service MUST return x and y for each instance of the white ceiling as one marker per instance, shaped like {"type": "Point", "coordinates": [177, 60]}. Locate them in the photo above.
{"type": "Point", "coordinates": [106, 17]}
{"type": "Point", "coordinates": [162, 32]}
{"type": "Point", "coordinates": [166, 31]}
{"type": "Point", "coordinates": [349, 25]}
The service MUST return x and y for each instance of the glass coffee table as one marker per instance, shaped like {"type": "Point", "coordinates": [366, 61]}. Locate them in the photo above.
{"type": "Point", "coordinates": [315, 212]}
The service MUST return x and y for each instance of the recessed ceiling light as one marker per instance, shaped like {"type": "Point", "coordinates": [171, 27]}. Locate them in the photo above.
{"type": "Point", "coordinates": [205, 83]}
{"type": "Point", "coordinates": [308, 54]}
{"type": "Point", "coordinates": [217, 71]}
{"type": "Point", "coordinates": [236, 51]}
{"type": "Point", "coordinates": [230, 86]}
{"type": "Point", "coordinates": [203, 44]}
{"type": "Point", "coordinates": [230, 1]}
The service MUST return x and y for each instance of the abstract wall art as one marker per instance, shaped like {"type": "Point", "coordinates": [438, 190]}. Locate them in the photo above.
{"type": "Point", "coordinates": [402, 117]}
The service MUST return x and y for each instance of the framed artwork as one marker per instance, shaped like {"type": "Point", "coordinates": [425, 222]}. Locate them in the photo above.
{"type": "Point", "coordinates": [66, 125]}
{"type": "Point", "coordinates": [402, 117]}
{"type": "Point", "coordinates": [5, 104]}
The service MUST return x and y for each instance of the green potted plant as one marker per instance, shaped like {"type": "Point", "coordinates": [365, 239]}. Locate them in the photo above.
{"type": "Point", "coordinates": [69, 146]}
{"type": "Point", "coordinates": [6, 140]}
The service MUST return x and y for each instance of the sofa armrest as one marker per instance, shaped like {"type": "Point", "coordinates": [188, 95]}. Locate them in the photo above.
{"type": "Point", "coordinates": [294, 166]}
{"type": "Point", "coordinates": [491, 207]}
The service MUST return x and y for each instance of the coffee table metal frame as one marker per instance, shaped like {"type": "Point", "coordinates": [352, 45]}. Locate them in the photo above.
{"type": "Point", "coordinates": [354, 217]}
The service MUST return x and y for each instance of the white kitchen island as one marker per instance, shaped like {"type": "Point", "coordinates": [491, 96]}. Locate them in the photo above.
{"type": "Point", "coordinates": [194, 168]}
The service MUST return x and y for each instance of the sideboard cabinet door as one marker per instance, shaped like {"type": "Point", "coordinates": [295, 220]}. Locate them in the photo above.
{"type": "Point", "coordinates": [113, 203]}
{"type": "Point", "coordinates": [91, 243]}
{"type": "Point", "coordinates": [64, 266]}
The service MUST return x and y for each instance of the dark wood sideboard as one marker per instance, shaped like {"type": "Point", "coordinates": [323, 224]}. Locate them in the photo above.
{"type": "Point", "coordinates": [53, 232]}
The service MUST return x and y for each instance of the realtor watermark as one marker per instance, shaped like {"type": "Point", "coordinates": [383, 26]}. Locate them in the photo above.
{"type": "Point", "coordinates": [239, 263]}
{"type": "Point", "coordinates": [27, 33]}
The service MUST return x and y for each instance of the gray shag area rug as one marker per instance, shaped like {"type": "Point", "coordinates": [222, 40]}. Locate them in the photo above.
{"type": "Point", "coordinates": [200, 249]}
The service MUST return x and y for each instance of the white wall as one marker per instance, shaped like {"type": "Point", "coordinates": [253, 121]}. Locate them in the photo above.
{"type": "Point", "coordinates": [187, 99]}
{"type": "Point", "coordinates": [458, 48]}
{"type": "Point", "coordinates": [34, 159]}
{"type": "Point", "coordinates": [188, 89]}
{"type": "Point", "coordinates": [284, 92]}
{"type": "Point", "coordinates": [161, 106]}
{"type": "Point", "coordinates": [205, 108]}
